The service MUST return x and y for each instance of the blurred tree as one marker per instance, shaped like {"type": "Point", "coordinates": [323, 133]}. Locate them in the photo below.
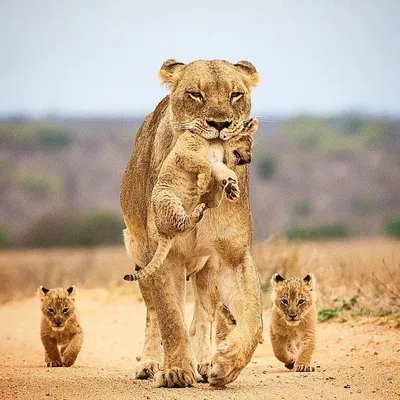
{"type": "Point", "coordinates": [267, 166]}
{"type": "Point", "coordinates": [392, 227]}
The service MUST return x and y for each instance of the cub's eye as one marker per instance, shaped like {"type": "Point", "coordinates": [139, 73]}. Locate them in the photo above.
{"type": "Point", "coordinates": [50, 310]}
{"type": "Point", "coordinates": [236, 95]}
{"type": "Point", "coordinates": [300, 302]}
{"type": "Point", "coordinates": [65, 310]}
{"type": "Point", "coordinates": [284, 302]}
{"type": "Point", "coordinates": [196, 96]}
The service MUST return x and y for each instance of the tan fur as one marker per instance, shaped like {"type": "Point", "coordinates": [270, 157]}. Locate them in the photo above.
{"type": "Point", "coordinates": [194, 168]}
{"type": "Point", "coordinates": [293, 323]}
{"type": "Point", "coordinates": [210, 99]}
{"type": "Point", "coordinates": [60, 326]}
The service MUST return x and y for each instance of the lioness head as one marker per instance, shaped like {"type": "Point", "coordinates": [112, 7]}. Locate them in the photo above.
{"type": "Point", "coordinates": [293, 297]}
{"type": "Point", "coordinates": [57, 305]}
{"type": "Point", "coordinates": [209, 98]}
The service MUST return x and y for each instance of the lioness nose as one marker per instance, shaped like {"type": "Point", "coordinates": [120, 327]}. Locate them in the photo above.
{"type": "Point", "coordinates": [219, 125]}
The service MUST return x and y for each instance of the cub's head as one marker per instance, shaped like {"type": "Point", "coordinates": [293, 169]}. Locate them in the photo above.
{"type": "Point", "coordinates": [57, 305]}
{"type": "Point", "coordinates": [209, 98]}
{"type": "Point", "coordinates": [293, 297]}
{"type": "Point", "coordinates": [241, 145]}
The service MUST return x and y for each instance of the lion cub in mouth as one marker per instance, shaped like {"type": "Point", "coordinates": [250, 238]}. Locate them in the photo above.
{"type": "Point", "coordinates": [194, 177]}
{"type": "Point", "coordinates": [60, 326]}
{"type": "Point", "coordinates": [293, 321]}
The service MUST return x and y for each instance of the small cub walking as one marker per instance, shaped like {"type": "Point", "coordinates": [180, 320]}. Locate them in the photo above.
{"type": "Point", "coordinates": [293, 321]}
{"type": "Point", "coordinates": [60, 326]}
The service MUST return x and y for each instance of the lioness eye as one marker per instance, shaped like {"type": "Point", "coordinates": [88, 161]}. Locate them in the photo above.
{"type": "Point", "coordinates": [196, 95]}
{"type": "Point", "coordinates": [284, 302]}
{"type": "Point", "coordinates": [65, 310]}
{"type": "Point", "coordinates": [50, 310]}
{"type": "Point", "coordinates": [236, 95]}
{"type": "Point", "coordinates": [300, 302]}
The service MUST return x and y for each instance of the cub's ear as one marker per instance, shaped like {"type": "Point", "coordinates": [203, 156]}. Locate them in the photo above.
{"type": "Point", "coordinates": [43, 292]}
{"type": "Point", "coordinates": [248, 72]}
{"type": "Point", "coordinates": [309, 279]}
{"type": "Point", "coordinates": [276, 279]}
{"type": "Point", "coordinates": [171, 72]}
{"type": "Point", "coordinates": [71, 291]}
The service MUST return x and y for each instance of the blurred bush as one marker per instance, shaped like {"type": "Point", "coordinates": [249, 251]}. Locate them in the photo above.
{"type": "Point", "coordinates": [76, 229]}
{"type": "Point", "coordinates": [303, 208]}
{"type": "Point", "coordinates": [40, 185]}
{"type": "Point", "coordinates": [392, 227]}
{"type": "Point", "coordinates": [364, 205]}
{"type": "Point", "coordinates": [3, 237]}
{"type": "Point", "coordinates": [53, 138]}
{"type": "Point", "coordinates": [267, 166]}
{"type": "Point", "coordinates": [325, 231]}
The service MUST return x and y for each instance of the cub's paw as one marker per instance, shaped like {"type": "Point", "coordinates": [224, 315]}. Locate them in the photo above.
{"type": "Point", "coordinates": [303, 368]}
{"type": "Point", "coordinates": [198, 212]}
{"type": "Point", "coordinates": [231, 189]}
{"type": "Point", "coordinates": [203, 369]}
{"type": "Point", "coordinates": [174, 377]}
{"type": "Point", "coordinates": [290, 365]}
{"type": "Point", "coordinates": [146, 369]}
{"type": "Point", "coordinates": [53, 364]}
{"type": "Point", "coordinates": [67, 361]}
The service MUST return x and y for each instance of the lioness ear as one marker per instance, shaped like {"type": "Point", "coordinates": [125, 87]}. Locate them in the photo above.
{"type": "Point", "coordinates": [276, 279]}
{"type": "Point", "coordinates": [71, 291]}
{"type": "Point", "coordinates": [309, 279]}
{"type": "Point", "coordinates": [248, 72]}
{"type": "Point", "coordinates": [171, 72]}
{"type": "Point", "coordinates": [43, 292]}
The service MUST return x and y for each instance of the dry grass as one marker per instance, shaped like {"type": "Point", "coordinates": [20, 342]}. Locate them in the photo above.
{"type": "Point", "coordinates": [351, 275]}
{"type": "Point", "coordinates": [357, 277]}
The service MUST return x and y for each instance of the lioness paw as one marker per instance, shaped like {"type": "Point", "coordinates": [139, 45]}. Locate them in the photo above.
{"type": "Point", "coordinates": [203, 369]}
{"type": "Point", "coordinates": [303, 368]}
{"type": "Point", "coordinates": [53, 364]}
{"type": "Point", "coordinates": [174, 377]}
{"type": "Point", "coordinates": [146, 369]}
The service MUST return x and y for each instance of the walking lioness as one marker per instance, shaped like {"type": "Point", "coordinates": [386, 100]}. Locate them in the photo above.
{"type": "Point", "coordinates": [212, 100]}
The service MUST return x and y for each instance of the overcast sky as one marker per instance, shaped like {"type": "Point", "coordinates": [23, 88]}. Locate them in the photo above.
{"type": "Point", "coordinates": [102, 56]}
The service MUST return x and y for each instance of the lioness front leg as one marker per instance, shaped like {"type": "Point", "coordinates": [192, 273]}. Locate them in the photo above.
{"type": "Point", "coordinates": [306, 350]}
{"type": "Point", "coordinates": [205, 288]}
{"type": "Point", "coordinates": [150, 360]}
{"type": "Point", "coordinates": [240, 291]}
{"type": "Point", "coordinates": [167, 285]}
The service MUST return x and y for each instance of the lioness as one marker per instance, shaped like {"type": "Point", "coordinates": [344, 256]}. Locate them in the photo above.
{"type": "Point", "coordinates": [293, 321]}
{"type": "Point", "coordinates": [60, 326]}
{"type": "Point", "coordinates": [186, 175]}
{"type": "Point", "coordinates": [212, 100]}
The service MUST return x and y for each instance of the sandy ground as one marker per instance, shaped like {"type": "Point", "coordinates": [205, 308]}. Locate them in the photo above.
{"type": "Point", "coordinates": [360, 361]}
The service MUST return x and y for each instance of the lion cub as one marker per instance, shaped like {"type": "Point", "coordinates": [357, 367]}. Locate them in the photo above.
{"type": "Point", "coordinates": [293, 321]}
{"type": "Point", "coordinates": [193, 178]}
{"type": "Point", "coordinates": [60, 326]}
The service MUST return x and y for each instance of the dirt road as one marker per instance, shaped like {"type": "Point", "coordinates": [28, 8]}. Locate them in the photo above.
{"type": "Point", "coordinates": [353, 362]}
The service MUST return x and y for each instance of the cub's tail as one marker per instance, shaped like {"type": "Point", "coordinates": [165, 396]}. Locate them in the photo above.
{"type": "Point", "coordinates": [163, 248]}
